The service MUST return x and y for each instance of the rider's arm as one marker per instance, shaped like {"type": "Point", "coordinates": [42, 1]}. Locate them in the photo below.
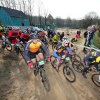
{"type": "Point", "coordinates": [69, 50]}
{"type": "Point", "coordinates": [26, 52]}
{"type": "Point", "coordinates": [55, 54]}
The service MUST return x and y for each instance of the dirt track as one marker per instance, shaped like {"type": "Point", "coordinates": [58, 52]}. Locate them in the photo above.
{"type": "Point", "coordinates": [21, 84]}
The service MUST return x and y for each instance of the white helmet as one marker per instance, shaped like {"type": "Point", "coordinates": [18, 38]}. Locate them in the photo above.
{"type": "Point", "coordinates": [65, 40]}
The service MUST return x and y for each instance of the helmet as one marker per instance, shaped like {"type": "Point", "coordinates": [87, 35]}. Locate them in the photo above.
{"type": "Point", "coordinates": [65, 40]}
{"type": "Point", "coordinates": [33, 36]}
{"type": "Point", "coordinates": [58, 33]}
{"type": "Point", "coordinates": [24, 31]}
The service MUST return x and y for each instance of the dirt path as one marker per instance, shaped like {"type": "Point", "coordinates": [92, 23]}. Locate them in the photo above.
{"type": "Point", "coordinates": [21, 84]}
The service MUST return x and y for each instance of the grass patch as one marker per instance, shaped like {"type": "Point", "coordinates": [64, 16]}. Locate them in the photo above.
{"type": "Point", "coordinates": [5, 68]}
{"type": "Point", "coordinates": [97, 40]}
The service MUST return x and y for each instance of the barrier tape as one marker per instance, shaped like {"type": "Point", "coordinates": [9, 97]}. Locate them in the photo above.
{"type": "Point", "coordinates": [96, 49]}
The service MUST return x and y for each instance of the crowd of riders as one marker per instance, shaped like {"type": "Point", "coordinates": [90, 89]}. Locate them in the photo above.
{"type": "Point", "coordinates": [36, 40]}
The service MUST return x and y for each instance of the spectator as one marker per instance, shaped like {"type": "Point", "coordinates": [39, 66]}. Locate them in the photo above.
{"type": "Point", "coordinates": [61, 36]}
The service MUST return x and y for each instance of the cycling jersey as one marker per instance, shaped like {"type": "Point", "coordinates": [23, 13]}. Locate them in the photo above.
{"type": "Point", "coordinates": [34, 48]}
{"type": "Point", "coordinates": [95, 55]}
{"type": "Point", "coordinates": [60, 50]}
{"type": "Point", "coordinates": [55, 38]}
{"type": "Point", "coordinates": [24, 36]}
{"type": "Point", "coordinates": [13, 34]}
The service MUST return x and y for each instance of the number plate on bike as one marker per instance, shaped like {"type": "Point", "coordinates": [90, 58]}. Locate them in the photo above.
{"type": "Point", "coordinates": [67, 58]}
{"type": "Point", "coordinates": [41, 63]}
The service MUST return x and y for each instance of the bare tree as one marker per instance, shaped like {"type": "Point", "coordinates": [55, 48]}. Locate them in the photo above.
{"type": "Point", "coordinates": [2, 3]}
{"type": "Point", "coordinates": [45, 16]}
{"type": "Point", "coordinates": [24, 5]}
{"type": "Point", "coordinates": [13, 4]}
{"type": "Point", "coordinates": [7, 4]}
{"type": "Point", "coordinates": [30, 10]}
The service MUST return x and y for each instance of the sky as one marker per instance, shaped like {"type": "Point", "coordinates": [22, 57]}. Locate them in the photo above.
{"type": "Point", "coordinates": [71, 8]}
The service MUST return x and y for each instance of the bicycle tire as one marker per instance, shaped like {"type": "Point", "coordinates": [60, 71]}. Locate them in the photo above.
{"type": "Point", "coordinates": [53, 61]}
{"type": "Point", "coordinates": [93, 77]}
{"type": "Point", "coordinates": [45, 81]}
{"type": "Point", "coordinates": [76, 57]}
{"type": "Point", "coordinates": [53, 46]}
{"type": "Point", "coordinates": [22, 47]}
{"type": "Point", "coordinates": [67, 71]}
{"type": "Point", "coordinates": [78, 66]}
{"type": "Point", "coordinates": [8, 45]}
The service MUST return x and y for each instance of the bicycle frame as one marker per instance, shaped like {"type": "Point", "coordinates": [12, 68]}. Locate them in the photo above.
{"type": "Point", "coordinates": [41, 70]}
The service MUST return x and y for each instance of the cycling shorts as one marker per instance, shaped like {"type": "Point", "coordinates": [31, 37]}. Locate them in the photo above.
{"type": "Point", "coordinates": [33, 54]}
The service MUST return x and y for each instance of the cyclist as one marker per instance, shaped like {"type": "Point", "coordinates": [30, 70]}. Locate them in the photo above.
{"type": "Point", "coordinates": [56, 38]}
{"type": "Point", "coordinates": [24, 36]}
{"type": "Point", "coordinates": [61, 36]}
{"type": "Point", "coordinates": [33, 48]}
{"type": "Point", "coordinates": [62, 49]}
{"type": "Point", "coordinates": [2, 37]}
{"type": "Point", "coordinates": [92, 58]}
{"type": "Point", "coordinates": [12, 35]}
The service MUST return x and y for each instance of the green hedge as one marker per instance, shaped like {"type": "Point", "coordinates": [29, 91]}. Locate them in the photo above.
{"type": "Point", "coordinates": [97, 39]}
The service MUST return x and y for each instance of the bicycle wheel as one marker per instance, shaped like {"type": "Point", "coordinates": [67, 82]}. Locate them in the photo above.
{"type": "Point", "coordinates": [69, 74]}
{"type": "Point", "coordinates": [22, 47]}
{"type": "Point", "coordinates": [45, 81]}
{"type": "Point", "coordinates": [8, 46]}
{"type": "Point", "coordinates": [78, 66]}
{"type": "Point", "coordinates": [53, 61]}
{"type": "Point", "coordinates": [53, 46]}
{"type": "Point", "coordinates": [96, 79]}
{"type": "Point", "coordinates": [76, 57]}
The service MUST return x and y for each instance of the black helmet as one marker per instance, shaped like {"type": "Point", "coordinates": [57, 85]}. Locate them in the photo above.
{"type": "Point", "coordinates": [33, 36]}
{"type": "Point", "coordinates": [58, 33]}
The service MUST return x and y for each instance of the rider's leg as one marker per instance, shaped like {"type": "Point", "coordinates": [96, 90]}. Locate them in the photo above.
{"type": "Point", "coordinates": [33, 58]}
{"type": "Point", "coordinates": [40, 55]}
{"type": "Point", "coordinates": [33, 61]}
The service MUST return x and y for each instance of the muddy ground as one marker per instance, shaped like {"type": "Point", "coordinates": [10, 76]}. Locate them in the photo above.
{"type": "Point", "coordinates": [17, 81]}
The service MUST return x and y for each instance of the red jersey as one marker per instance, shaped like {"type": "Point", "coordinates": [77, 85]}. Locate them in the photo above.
{"type": "Point", "coordinates": [24, 35]}
{"type": "Point", "coordinates": [13, 34]}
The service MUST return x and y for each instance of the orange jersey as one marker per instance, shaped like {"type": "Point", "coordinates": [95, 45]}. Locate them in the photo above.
{"type": "Point", "coordinates": [34, 47]}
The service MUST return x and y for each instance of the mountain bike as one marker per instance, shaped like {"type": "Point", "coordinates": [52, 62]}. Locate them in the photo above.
{"type": "Point", "coordinates": [40, 69]}
{"type": "Point", "coordinates": [67, 70]}
{"type": "Point", "coordinates": [79, 67]}
{"type": "Point", "coordinates": [74, 56]}
{"type": "Point", "coordinates": [19, 48]}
